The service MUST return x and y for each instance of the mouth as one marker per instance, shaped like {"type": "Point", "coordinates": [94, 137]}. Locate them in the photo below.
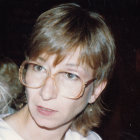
{"type": "Point", "coordinates": [45, 111]}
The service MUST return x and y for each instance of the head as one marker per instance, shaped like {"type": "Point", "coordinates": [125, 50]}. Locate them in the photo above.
{"type": "Point", "coordinates": [70, 30]}
{"type": "Point", "coordinates": [9, 77]}
{"type": "Point", "coordinates": [9, 72]}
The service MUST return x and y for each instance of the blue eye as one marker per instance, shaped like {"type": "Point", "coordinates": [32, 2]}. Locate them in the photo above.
{"type": "Point", "coordinates": [38, 68]}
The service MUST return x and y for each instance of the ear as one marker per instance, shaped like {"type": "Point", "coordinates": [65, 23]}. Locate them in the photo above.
{"type": "Point", "coordinates": [97, 91]}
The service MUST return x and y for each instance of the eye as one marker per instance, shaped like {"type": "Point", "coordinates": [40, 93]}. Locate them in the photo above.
{"type": "Point", "coordinates": [71, 76]}
{"type": "Point", "coordinates": [38, 68]}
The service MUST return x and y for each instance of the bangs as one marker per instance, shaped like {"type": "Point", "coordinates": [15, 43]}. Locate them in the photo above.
{"type": "Point", "coordinates": [86, 56]}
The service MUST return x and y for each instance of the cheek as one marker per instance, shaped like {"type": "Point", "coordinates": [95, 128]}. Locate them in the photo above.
{"type": "Point", "coordinates": [74, 107]}
{"type": "Point", "coordinates": [31, 94]}
{"type": "Point", "coordinates": [70, 110]}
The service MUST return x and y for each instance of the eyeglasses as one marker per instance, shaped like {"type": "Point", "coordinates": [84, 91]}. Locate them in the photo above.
{"type": "Point", "coordinates": [69, 85]}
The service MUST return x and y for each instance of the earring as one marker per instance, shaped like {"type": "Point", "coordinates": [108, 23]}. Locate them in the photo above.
{"type": "Point", "coordinates": [90, 108]}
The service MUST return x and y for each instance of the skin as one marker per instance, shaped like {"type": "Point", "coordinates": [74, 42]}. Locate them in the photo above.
{"type": "Point", "coordinates": [48, 114]}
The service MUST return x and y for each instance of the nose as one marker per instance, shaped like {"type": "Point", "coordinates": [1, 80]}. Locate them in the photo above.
{"type": "Point", "coordinates": [48, 90]}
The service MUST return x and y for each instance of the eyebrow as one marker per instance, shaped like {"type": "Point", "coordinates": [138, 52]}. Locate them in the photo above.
{"type": "Point", "coordinates": [41, 59]}
{"type": "Point", "coordinates": [72, 65]}
{"type": "Point", "coordinates": [79, 68]}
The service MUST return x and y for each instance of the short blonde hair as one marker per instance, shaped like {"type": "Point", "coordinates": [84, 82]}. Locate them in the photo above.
{"type": "Point", "coordinates": [67, 27]}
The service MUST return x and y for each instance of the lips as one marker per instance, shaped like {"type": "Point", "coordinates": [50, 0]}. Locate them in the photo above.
{"type": "Point", "coordinates": [45, 111]}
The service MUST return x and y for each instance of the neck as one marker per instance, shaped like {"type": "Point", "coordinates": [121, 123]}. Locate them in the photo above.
{"type": "Point", "coordinates": [30, 130]}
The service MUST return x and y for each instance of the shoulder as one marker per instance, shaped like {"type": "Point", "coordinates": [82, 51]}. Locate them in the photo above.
{"type": "Point", "coordinates": [7, 133]}
{"type": "Point", "coordinates": [73, 135]}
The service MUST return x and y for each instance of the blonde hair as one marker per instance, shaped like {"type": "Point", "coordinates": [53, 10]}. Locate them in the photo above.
{"type": "Point", "coordinates": [65, 28]}
{"type": "Point", "coordinates": [9, 81]}
{"type": "Point", "coordinates": [9, 73]}
{"type": "Point", "coordinates": [5, 97]}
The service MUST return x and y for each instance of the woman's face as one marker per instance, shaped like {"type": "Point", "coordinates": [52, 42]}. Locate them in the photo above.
{"type": "Point", "coordinates": [47, 105]}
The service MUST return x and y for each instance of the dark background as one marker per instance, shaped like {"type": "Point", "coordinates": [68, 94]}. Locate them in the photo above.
{"type": "Point", "coordinates": [122, 97]}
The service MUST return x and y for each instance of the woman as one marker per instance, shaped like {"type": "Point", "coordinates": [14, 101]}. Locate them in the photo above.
{"type": "Point", "coordinates": [68, 64]}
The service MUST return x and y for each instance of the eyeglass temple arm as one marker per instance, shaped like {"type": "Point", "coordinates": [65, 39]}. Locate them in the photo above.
{"type": "Point", "coordinates": [89, 82]}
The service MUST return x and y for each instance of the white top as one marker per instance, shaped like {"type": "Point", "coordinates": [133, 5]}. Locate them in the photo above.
{"type": "Point", "coordinates": [7, 133]}
{"type": "Point", "coordinates": [73, 135]}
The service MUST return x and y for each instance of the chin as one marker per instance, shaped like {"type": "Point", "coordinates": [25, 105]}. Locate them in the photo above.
{"type": "Point", "coordinates": [48, 125]}
{"type": "Point", "coordinates": [51, 124]}
{"type": "Point", "coordinates": [44, 122]}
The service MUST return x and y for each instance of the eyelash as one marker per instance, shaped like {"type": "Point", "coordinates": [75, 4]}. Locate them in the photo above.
{"type": "Point", "coordinates": [35, 67]}
{"type": "Point", "coordinates": [71, 74]}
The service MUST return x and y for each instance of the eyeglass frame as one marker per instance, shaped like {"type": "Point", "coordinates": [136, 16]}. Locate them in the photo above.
{"type": "Point", "coordinates": [84, 84]}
